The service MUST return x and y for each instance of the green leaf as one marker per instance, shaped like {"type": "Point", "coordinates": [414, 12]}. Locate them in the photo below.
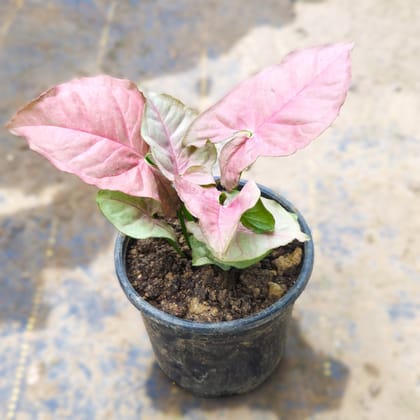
{"type": "Point", "coordinates": [149, 160]}
{"type": "Point", "coordinates": [134, 216]}
{"type": "Point", "coordinates": [248, 247]}
{"type": "Point", "coordinates": [222, 198]}
{"type": "Point", "coordinates": [258, 219]}
{"type": "Point", "coordinates": [201, 255]}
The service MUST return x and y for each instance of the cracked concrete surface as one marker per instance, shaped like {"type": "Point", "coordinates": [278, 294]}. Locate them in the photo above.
{"type": "Point", "coordinates": [71, 344]}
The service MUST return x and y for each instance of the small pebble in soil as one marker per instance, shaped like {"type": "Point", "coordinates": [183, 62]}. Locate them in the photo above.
{"type": "Point", "coordinates": [285, 262]}
{"type": "Point", "coordinates": [275, 290]}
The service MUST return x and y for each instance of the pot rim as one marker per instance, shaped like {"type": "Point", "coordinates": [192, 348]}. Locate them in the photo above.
{"type": "Point", "coordinates": [121, 245]}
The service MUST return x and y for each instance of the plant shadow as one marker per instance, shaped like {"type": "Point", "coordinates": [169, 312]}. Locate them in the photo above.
{"type": "Point", "coordinates": [305, 382]}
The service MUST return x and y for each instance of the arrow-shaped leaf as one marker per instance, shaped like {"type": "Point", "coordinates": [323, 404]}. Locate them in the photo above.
{"type": "Point", "coordinates": [218, 222]}
{"type": "Point", "coordinates": [247, 247]}
{"type": "Point", "coordinates": [90, 127]}
{"type": "Point", "coordinates": [278, 111]}
{"type": "Point", "coordinates": [165, 122]}
{"type": "Point", "coordinates": [134, 216]}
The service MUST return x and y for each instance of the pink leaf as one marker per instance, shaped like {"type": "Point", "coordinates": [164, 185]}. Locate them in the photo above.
{"type": "Point", "coordinates": [165, 122]}
{"type": "Point", "coordinates": [278, 111]}
{"type": "Point", "coordinates": [90, 127]}
{"type": "Point", "coordinates": [217, 222]}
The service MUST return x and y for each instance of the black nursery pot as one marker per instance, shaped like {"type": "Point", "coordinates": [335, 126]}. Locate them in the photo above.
{"type": "Point", "coordinates": [221, 358]}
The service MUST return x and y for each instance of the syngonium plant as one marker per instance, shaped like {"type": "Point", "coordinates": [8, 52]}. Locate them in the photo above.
{"type": "Point", "coordinates": [152, 157]}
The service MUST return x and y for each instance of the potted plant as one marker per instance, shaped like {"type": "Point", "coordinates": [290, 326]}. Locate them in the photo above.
{"type": "Point", "coordinates": [182, 229]}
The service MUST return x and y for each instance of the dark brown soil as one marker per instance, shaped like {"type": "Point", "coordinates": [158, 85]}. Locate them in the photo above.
{"type": "Point", "coordinates": [207, 293]}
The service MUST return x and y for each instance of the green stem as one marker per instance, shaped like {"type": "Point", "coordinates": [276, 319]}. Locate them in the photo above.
{"type": "Point", "coordinates": [183, 226]}
{"type": "Point", "coordinates": [176, 247]}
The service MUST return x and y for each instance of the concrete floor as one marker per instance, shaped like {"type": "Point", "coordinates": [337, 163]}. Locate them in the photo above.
{"type": "Point", "coordinates": [73, 347]}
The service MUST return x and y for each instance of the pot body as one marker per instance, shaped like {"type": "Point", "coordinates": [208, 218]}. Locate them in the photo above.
{"type": "Point", "coordinates": [223, 358]}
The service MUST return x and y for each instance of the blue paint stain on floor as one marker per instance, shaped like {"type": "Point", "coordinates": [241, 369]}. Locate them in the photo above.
{"type": "Point", "coordinates": [407, 269]}
{"type": "Point", "coordinates": [405, 310]}
{"type": "Point", "coordinates": [84, 302]}
{"type": "Point", "coordinates": [337, 371]}
{"type": "Point", "coordinates": [333, 238]}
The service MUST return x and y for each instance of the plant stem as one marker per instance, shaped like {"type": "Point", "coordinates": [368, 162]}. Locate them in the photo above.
{"type": "Point", "coordinates": [176, 247]}
{"type": "Point", "coordinates": [181, 218]}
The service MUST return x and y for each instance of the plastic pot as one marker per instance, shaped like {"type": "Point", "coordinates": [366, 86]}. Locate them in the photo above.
{"type": "Point", "coordinates": [222, 358]}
